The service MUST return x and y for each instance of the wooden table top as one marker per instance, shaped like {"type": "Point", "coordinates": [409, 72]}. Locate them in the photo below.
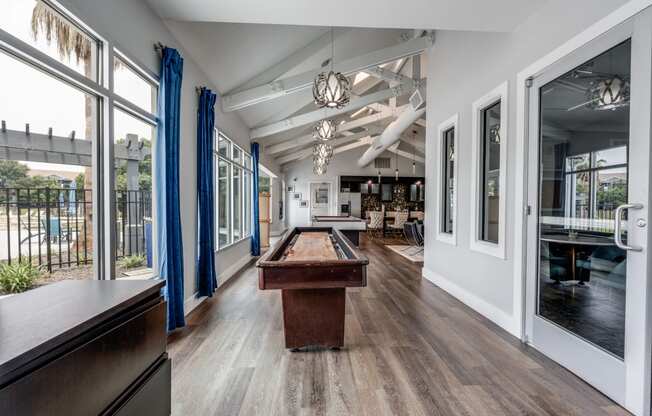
{"type": "Point", "coordinates": [310, 246]}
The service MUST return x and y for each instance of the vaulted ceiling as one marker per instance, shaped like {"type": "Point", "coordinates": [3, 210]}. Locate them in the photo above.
{"type": "Point", "coordinates": [494, 15]}
{"type": "Point", "coordinates": [264, 71]}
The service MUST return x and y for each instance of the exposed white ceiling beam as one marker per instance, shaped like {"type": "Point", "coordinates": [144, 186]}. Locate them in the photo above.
{"type": "Point", "coordinates": [391, 76]}
{"type": "Point", "coordinates": [288, 63]}
{"type": "Point", "coordinates": [417, 142]}
{"type": "Point", "coordinates": [308, 139]}
{"type": "Point", "coordinates": [342, 128]}
{"type": "Point", "coordinates": [314, 116]}
{"type": "Point", "coordinates": [278, 88]}
{"type": "Point", "coordinates": [394, 149]}
{"type": "Point", "coordinates": [351, 144]}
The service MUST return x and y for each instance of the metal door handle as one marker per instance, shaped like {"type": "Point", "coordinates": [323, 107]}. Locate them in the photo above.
{"type": "Point", "coordinates": [617, 227]}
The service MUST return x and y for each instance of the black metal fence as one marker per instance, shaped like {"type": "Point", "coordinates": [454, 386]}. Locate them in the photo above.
{"type": "Point", "coordinates": [53, 227]}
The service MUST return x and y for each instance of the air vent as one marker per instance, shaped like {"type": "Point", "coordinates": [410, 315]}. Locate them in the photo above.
{"type": "Point", "coordinates": [382, 163]}
{"type": "Point", "coordinates": [416, 100]}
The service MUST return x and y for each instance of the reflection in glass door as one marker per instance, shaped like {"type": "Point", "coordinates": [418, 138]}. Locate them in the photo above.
{"type": "Point", "coordinates": [584, 137]}
{"type": "Point", "coordinates": [588, 192]}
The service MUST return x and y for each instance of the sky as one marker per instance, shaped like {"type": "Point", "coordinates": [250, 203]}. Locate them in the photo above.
{"type": "Point", "coordinates": [29, 96]}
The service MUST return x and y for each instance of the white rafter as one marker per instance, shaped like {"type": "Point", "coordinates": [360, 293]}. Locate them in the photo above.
{"type": "Point", "coordinates": [351, 143]}
{"type": "Point", "coordinates": [315, 116]}
{"type": "Point", "coordinates": [278, 88]}
{"type": "Point", "coordinates": [341, 129]}
{"type": "Point", "coordinates": [287, 64]}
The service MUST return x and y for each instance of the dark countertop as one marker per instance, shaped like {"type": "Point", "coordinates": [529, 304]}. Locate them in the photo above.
{"type": "Point", "coordinates": [35, 322]}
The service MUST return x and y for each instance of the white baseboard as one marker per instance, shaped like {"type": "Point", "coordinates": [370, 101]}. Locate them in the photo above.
{"type": "Point", "coordinates": [233, 269]}
{"type": "Point", "coordinates": [491, 312]}
{"type": "Point", "coordinates": [195, 300]}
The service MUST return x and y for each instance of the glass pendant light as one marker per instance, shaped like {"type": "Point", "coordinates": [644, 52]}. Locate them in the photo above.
{"type": "Point", "coordinates": [331, 89]}
{"type": "Point", "coordinates": [396, 170]}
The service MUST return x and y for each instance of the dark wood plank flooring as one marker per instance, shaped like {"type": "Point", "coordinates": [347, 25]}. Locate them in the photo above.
{"type": "Point", "coordinates": [411, 349]}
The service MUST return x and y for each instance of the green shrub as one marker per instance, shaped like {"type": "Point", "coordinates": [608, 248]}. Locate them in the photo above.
{"type": "Point", "coordinates": [18, 276]}
{"type": "Point", "coordinates": [131, 262]}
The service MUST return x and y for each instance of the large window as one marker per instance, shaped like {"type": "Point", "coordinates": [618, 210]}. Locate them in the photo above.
{"type": "Point", "coordinates": [56, 101]}
{"type": "Point", "coordinates": [489, 161]}
{"type": "Point", "coordinates": [234, 187]}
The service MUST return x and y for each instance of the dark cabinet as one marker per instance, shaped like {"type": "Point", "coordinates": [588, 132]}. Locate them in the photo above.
{"type": "Point", "coordinates": [99, 349]}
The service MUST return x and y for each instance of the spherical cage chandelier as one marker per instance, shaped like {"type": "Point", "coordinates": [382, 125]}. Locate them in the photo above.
{"type": "Point", "coordinates": [324, 130]}
{"type": "Point", "coordinates": [332, 90]}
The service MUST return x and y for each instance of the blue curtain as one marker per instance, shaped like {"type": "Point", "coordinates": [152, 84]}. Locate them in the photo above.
{"type": "Point", "coordinates": [170, 248]}
{"type": "Point", "coordinates": [255, 236]}
{"type": "Point", "coordinates": [206, 275]}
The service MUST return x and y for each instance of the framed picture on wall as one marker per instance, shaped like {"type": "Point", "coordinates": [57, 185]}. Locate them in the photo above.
{"type": "Point", "coordinates": [303, 204]}
{"type": "Point", "coordinates": [290, 189]}
{"type": "Point", "coordinates": [296, 195]}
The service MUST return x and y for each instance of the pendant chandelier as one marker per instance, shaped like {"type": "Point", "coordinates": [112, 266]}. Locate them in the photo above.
{"type": "Point", "coordinates": [324, 130]}
{"type": "Point", "coordinates": [331, 89]}
{"type": "Point", "coordinates": [319, 169]}
{"type": "Point", "coordinates": [322, 152]}
{"type": "Point", "coordinates": [609, 94]}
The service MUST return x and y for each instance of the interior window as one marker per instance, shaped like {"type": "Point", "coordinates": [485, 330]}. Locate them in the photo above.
{"type": "Point", "coordinates": [490, 171]}
{"type": "Point", "coordinates": [448, 178]}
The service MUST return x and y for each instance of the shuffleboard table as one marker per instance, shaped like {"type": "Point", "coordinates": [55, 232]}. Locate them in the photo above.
{"type": "Point", "coordinates": [349, 226]}
{"type": "Point", "coordinates": [313, 266]}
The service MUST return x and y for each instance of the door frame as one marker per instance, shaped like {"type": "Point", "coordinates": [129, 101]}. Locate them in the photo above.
{"type": "Point", "coordinates": [637, 395]}
{"type": "Point", "coordinates": [331, 202]}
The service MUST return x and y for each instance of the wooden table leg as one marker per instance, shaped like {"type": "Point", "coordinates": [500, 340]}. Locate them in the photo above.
{"type": "Point", "coordinates": [314, 317]}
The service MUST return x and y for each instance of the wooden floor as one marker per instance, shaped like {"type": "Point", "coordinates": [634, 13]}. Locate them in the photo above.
{"type": "Point", "coordinates": [411, 349]}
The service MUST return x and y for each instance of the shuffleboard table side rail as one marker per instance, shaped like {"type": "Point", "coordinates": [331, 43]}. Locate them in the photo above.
{"type": "Point", "coordinates": [273, 256]}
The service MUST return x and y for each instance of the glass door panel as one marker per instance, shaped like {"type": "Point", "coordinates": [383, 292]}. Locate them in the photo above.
{"type": "Point", "coordinates": [588, 193]}
{"type": "Point", "coordinates": [583, 144]}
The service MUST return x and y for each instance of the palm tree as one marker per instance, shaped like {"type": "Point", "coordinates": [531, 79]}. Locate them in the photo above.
{"type": "Point", "coordinates": [71, 42]}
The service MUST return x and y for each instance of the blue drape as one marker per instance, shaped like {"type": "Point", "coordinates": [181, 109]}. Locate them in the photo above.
{"type": "Point", "coordinates": [170, 248]}
{"type": "Point", "coordinates": [255, 235]}
{"type": "Point", "coordinates": [206, 275]}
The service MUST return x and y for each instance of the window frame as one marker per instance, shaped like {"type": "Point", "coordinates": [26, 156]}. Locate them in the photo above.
{"type": "Point", "coordinates": [102, 150]}
{"type": "Point", "coordinates": [441, 154]}
{"type": "Point", "coordinates": [240, 164]}
{"type": "Point", "coordinates": [498, 94]}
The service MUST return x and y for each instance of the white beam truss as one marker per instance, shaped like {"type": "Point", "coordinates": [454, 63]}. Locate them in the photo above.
{"type": "Point", "coordinates": [281, 68]}
{"type": "Point", "coordinates": [350, 143]}
{"type": "Point", "coordinates": [315, 116]}
{"type": "Point", "coordinates": [341, 129]}
{"type": "Point", "coordinates": [278, 88]}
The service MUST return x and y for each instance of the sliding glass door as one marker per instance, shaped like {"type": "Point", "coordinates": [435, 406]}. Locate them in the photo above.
{"type": "Point", "coordinates": [589, 178]}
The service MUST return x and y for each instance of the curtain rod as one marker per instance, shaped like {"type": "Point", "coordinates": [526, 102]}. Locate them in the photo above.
{"type": "Point", "coordinates": [158, 47]}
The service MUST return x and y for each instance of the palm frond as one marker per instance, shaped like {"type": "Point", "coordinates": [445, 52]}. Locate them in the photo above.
{"type": "Point", "coordinates": [70, 41]}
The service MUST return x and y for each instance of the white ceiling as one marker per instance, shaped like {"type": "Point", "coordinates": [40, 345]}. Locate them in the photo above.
{"type": "Point", "coordinates": [480, 15]}
{"type": "Point", "coordinates": [232, 54]}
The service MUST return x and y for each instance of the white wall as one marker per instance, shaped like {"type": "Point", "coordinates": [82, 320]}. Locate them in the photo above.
{"type": "Point", "coordinates": [300, 175]}
{"type": "Point", "coordinates": [134, 28]}
{"type": "Point", "coordinates": [463, 67]}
